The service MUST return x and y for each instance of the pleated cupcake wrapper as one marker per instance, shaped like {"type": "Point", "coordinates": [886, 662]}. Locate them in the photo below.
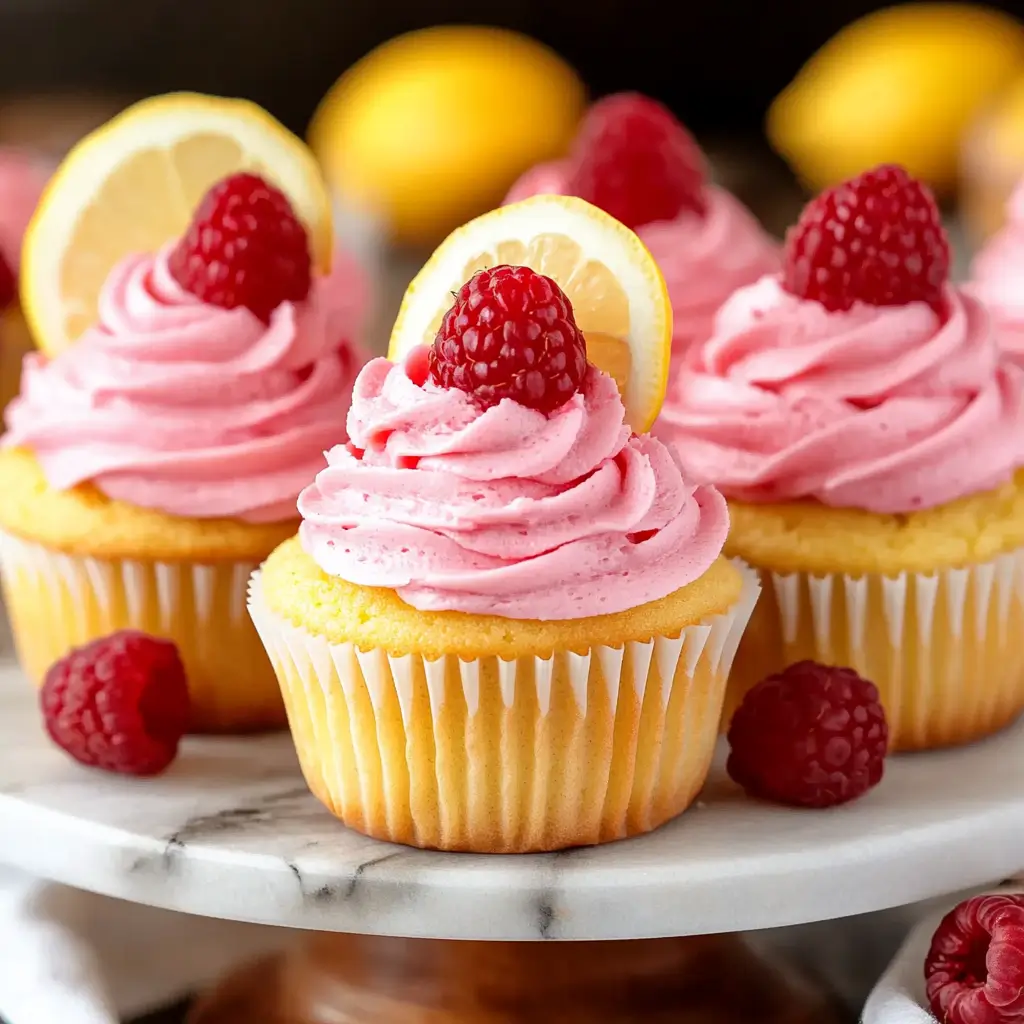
{"type": "Point", "coordinates": [505, 756]}
{"type": "Point", "coordinates": [58, 601]}
{"type": "Point", "coordinates": [943, 648]}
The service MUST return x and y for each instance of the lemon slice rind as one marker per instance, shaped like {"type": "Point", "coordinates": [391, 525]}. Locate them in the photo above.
{"type": "Point", "coordinates": [600, 238]}
{"type": "Point", "coordinates": [153, 125]}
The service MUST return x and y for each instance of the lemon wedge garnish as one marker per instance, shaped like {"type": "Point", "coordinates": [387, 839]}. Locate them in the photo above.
{"type": "Point", "coordinates": [617, 292]}
{"type": "Point", "coordinates": [132, 186]}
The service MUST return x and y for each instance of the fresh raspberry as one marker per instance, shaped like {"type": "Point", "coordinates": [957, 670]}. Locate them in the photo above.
{"type": "Point", "coordinates": [244, 247]}
{"type": "Point", "coordinates": [974, 971]}
{"type": "Point", "coordinates": [634, 160]}
{"type": "Point", "coordinates": [119, 703]}
{"type": "Point", "coordinates": [811, 736]}
{"type": "Point", "coordinates": [8, 285]}
{"type": "Point", "coordinates": [877, 239]}
{"type": "Point", "coordinates": [510, 334]}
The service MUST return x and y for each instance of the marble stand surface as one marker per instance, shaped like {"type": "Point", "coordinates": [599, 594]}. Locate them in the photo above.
{"type": "Point", "coordinates": [231, 831]}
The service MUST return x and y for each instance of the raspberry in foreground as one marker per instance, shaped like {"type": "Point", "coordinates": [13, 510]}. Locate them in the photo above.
{"type": "Point", "coordinates": [634, 160]}
{"type": "Point", "coordinates": [119, 703]}
{"type": "Point", "coordinates": [8, 285]}
{"type": "Point", "coordinates": [244, 247]}
{"type": "Point", "coordinates": [811, 736]}
{"type": "Point", "coordinates": [510, 334]}
{"type": "Point", "coordinates": [877, 239]}
{"type": "Point", "coordinates": [974, 971]}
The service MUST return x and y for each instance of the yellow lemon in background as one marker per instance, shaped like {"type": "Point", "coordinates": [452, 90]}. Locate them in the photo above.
{"type": "Point", "coordinates": [434, 126]}
{"type": "Point", "coordinates": [901, 85]}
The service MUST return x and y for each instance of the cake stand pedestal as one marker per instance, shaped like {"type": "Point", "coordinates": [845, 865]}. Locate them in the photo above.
{"type": "Point", "coordinates": [230, 831]}
{"type": "Point", "coordinates": [331, 979]}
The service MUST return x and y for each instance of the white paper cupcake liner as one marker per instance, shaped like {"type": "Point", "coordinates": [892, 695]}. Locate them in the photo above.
{"type": "Point", "coordinates": [505, 756]}
{"type": "Point", "coordinates": [943, 648]}
{"type": "Point", "coordinates": [58, 601]}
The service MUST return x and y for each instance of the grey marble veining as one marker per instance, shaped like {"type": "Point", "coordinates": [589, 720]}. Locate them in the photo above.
{"type": "Point", "coordinates": [231, 831]}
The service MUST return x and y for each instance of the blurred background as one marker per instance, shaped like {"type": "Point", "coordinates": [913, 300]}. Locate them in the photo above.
{"type": "Point", "coordinates": [940, 89]}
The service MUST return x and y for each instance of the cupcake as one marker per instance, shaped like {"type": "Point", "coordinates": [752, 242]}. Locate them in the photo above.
{"type": "Point", "coordinates": [633, 159]}
{"type": "Point", "coordinates": [150, 466]}
{"type": "Point", "coordinates": [857, 413]}
{"type": "Point", "coordinates": [505, 624]}
{"type": "Point", "coordinates": [996, 279]}
{"type": "Point", "coordinates": [21, 184]}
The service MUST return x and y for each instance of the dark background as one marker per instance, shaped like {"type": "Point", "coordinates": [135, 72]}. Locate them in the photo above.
{"type": "Point", "coordinates": [718, 63]}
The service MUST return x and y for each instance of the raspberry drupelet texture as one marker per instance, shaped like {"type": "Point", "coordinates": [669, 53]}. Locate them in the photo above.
{"type": "Point", "coordinates": [244, 247]}
{"type": "Point", "coordinates": [876, 239]}
{"type": "Point", "coordinates": [810, 736]}
{"type": "Point", "coordinates": [120, 703]}
{"type": "Point", "coordinates": [974, 971]}
{"type": "Point", "coordinates": [634, 160]}
{"type": "Point", "coordinates": [8, 285]}
{"type": "Point", "coordinates": [511, 333]}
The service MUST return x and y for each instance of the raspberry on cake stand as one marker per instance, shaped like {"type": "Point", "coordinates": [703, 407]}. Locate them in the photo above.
{"type": "Point", "coordinates": [231, 831]}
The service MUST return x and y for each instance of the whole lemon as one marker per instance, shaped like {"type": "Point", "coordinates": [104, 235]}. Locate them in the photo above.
{"type": "Point", "coordinates": [432, 127]}
{"type": "Point", "coordinates": [900, 85]}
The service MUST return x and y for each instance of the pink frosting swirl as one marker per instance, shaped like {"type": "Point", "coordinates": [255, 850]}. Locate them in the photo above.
{"type": "Point", "coordinates": [176, 405]}
{"type": "Point", "coordinates": [704, 259]}
{"type": "Point", "coordinates": [887, 409]}
{"type": "Point", "coordinates": [997, 275]}
{"type": "Point", "coordinates": [505, 511]}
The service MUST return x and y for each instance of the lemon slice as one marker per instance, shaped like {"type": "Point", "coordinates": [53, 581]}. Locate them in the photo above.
{"type": "Point", "coordinates": [133, 185]}
{"type": "Point", "coordinates": [616, 289]}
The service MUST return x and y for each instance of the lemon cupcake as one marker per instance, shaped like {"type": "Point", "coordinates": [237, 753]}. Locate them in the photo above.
{"type": "Point", "coordinates": [151, 462]}
{"type": "Point", "coordinates": [864, 425]}
{"type": "Point", "coordinates": [505, 624]}
{"type": "Point", "coordinates": [21, 183]}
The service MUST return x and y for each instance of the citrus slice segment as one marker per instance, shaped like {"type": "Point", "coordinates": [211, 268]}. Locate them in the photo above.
{"type": "Point", "coordinates": [132, 186]}
{"type": "Point", "coordinates": [615, 287]}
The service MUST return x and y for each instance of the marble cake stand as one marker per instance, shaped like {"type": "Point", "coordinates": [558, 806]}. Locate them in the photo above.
{"type": "Point", "coordinates": [230, 831]}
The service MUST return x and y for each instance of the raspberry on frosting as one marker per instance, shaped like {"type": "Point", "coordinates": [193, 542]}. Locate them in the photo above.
{"type": "Point", "coordinates": [510, 333]}
{"type": "Point", "coordinates": [181, 406]}
{"type": "Point", "coordinates": [706, 249]}
{"type": "Point", "coordinates": [877, 239]}
{"type": "Point", "coordinates": [859, 377]}
{"type": "Point", "coordinates": [634, 160]}
{"type": "Point", "coordinates": [244, 247]}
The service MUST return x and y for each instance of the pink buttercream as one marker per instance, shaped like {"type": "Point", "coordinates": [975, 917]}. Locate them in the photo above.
{"type": "Point", "coordinates": [21, 184]}
{"type": "Point", "coordinates": [176, 405]}
{"type": "Point", "coordinates": [888, 409]}
{"type": "Point", "coordinates": [704, 259]}
{"type": "Point", "coordinates": [997, 278]}
{"type": "Point", "coordinates": [506, 511]}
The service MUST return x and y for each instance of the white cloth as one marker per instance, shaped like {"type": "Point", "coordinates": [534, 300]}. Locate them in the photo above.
{"type": "Point", "coordinates": [71, 957]}
{"type": "Point", "coordinates": [899, 996]}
